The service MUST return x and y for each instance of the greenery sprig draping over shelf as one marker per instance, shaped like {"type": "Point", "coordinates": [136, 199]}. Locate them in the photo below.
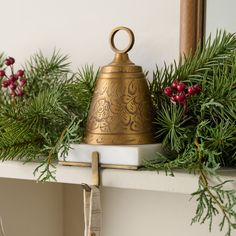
{"type": "Point", "coordinates": [199, 137]}
{"type": "Point", "coordinates": [203, 138]}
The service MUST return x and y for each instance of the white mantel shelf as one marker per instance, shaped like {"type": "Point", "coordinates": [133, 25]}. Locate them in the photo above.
{"type": "Point", "coordinates": [127, 179]}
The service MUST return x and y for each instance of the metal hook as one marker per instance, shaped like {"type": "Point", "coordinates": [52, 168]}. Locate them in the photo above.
{"type": "Point", "coordinates": [86, 187]}
{"type": "Point", "coordinates": [95, 169]}
{"type": "Point", "coordinates": [95, 172]}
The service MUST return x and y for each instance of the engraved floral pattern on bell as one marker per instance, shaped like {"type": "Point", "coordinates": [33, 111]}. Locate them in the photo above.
{"type": "Point", "coordinates": [120, 109]}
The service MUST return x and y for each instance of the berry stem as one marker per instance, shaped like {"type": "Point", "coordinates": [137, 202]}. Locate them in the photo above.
{"type": "Point", "coordinates": [185, 106]}
{"type": "Point", "coordinates": [12, 69]}
{"type": "Point", "coordinates": [7, 76]}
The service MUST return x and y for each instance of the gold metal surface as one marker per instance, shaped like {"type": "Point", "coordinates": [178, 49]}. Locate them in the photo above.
{"type": "Point", "coordinates": [121, 110]}
{"type": "Point", "coordinates": [95, 169]}
{"type": "Point", "coordinates": [86, 187]}
{"type": "Point", "coordinates": [87, 164]}
{"type": "Point", "coordinates": [131, 39]}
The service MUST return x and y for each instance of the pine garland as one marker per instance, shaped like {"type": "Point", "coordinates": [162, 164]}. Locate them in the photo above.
{"type": "Point", "coordinates": [202, 139]}
{"type": "Point", "coordinates": [50, 115]}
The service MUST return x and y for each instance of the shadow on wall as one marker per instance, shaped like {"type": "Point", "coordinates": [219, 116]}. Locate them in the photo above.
{"type": "Point", "coordinates": [2, 232]}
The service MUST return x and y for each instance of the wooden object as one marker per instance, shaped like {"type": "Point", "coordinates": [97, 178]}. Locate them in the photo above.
{"type": "Point", "coordinates": [183, 182]}
{"type": "Point", "coordinates": [191, 25]}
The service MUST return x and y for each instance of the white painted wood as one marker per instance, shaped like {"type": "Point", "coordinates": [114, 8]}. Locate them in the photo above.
{"type": "Point", "coordinates": [126, 179]}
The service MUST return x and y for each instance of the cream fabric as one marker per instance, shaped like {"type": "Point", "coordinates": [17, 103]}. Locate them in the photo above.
{"type": "Point", "coordinates": [92, 212]}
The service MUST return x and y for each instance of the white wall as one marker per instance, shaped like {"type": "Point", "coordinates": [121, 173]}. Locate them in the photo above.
{"type": "Point", "coordinates": [73, 210]}
{"type": "Point", "coordinates": [81, 29]}
{"type": "Point", "coordinates": [143, 213]}
{"type": "Point", "coordinates": [31, 209]}
{"type": "Point", "coordinates": [136, 213]}
{"type": "Point", "coordinates": [220, 15]}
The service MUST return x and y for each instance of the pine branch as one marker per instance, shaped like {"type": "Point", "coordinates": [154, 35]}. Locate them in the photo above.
{"type": "Point", "coordinates": [2, 58]}
{"type": "Point", "coordinates": [25, 151]}
{"type": "Point", "coordinates": [171, 127]}
{"type": "Point", "coordinates": [216, 53]}
{"type": "Point", "coordinates": [42, 73]}
{"type": "Point", "coordinates": [82, 85]}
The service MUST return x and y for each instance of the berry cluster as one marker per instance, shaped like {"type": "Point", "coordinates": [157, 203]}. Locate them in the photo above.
{"type": "Point", "coordinates": [178, 92]}
{"type": "Point", "coordinates": [15, 81]}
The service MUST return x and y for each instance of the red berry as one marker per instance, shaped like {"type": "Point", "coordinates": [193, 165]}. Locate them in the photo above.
{"type": "Point", "coordinates": [20, 73]}
{"type": "Point", "coordinates": [20, 93]}
{"type": "Point", "coordinates": [175, 84]}
{"type": "Point", "coordinates": [12, 86]}
{"type": "Point", "coordinates": [12, 60]}
{"type": "Point", "coordinates": [180, 87]}
{"type": "Point", "coordinates": [2, 73]}
{"type": "Point", "coordinates": [7, 62]}
{"type": "Point", "coordinates": [181, 97]}
{"type": "Point", "coordinates": [197, 88]}
{"type": "Point", "coordinates": [22, 82]}
{"type": "Point", "coordinates": [168, 91]}
{"type": "Point", "coordinates": [191, 90]}
{"type": "Point", "coordinates": [13, 78]}
{"type": "Point", "coordinates": [173, 98]}
{"type": "Point", "coordinates": [5, 83]}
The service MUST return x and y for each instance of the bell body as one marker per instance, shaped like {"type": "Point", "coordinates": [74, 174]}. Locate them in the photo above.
{"type": "Point", "coordinates": [121, 110]}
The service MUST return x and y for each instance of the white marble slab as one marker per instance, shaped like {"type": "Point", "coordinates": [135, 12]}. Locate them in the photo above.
{"type": "Point", "coordinates": [113, 154]}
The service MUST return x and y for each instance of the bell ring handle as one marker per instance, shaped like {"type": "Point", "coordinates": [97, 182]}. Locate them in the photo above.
{"type": "Point", "coordinates": [131, 39]}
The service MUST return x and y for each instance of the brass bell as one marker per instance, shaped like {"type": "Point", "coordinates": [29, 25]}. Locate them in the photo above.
{"type": "Point", "coordinates": [121, 110]}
